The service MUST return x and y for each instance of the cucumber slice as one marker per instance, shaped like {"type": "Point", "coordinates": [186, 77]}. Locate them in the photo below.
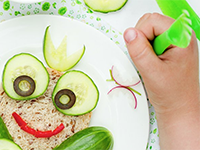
{"type": "Point", "coordinates": [25, 64]}
{"type": "Point", "coordinates": [6, 144]}
{"type": "Point", "coordinates": [105, 6]}
{"type": "Point", "coordinates": [84, 88]}
{"type": "Point", "coordinates": [57, 58]}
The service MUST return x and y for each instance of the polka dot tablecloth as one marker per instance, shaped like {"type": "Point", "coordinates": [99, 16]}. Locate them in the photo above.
{"type": "Point", "coordinates": [77, 10]}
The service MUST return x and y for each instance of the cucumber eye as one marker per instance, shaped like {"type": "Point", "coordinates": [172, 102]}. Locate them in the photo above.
{"type": "Point", "coordinates": [65, 99]}
{"type": "Point", "coordinates": [24, 85]}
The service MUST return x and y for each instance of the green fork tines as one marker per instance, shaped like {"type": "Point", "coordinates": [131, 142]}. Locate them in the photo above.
{"type": "Point", "coordinates": [179, 34]}
{"type": "Point", "coordinates": [174, 8]}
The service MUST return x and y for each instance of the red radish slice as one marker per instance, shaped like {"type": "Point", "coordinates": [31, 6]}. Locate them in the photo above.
{"type": "Point", "coordinates": [123, 79]}
{"type": "Point", "coordinates": [117, 87]}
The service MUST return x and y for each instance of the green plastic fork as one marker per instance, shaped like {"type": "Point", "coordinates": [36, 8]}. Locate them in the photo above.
{"type": "Point", "coordinates": [174, 8]}
{"type": "Point", "coordinates": [179, 34]}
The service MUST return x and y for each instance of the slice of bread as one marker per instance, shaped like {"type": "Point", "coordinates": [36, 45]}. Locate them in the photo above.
{"type": "Point", "coordinates": [40, 114]}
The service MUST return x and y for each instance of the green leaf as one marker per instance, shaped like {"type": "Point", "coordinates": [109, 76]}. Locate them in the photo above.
{"type": "Point", "coordinates": [62, 11]}
{"type": "Point", "coordinates": [46, 6]}
{"type": "Point", "coordinates": [154, 131]}
{"type": "Point", "coordinates": [6, 5]}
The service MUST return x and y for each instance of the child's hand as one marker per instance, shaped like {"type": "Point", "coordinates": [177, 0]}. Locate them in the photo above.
{"type": "Point", "coordinates": [171, 79]}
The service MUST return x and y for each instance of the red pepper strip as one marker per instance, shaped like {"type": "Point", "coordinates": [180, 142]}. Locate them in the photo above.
{"type": "Point", "coordinates": [28, 129]}
{"type": "Point", "coordinates": [43, 134]}
{"type": "Point", "coordinates": [18, 119]}
{"type": "Point", "coordinates": [58, 129]}
{"type": "Point", "coordinates": [39, 134]}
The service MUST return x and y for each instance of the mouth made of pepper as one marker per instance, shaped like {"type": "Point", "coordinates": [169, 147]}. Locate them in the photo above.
{"type": "Point", "coordinates": [37, 133]}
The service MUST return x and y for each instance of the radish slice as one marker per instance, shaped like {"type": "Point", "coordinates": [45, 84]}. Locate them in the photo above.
{"type": "Point", "coordinates": [123, 78]}
{"type": "Point", "coordinates": [117, 87]}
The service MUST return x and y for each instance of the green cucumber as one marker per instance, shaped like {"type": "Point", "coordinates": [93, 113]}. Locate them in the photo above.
{"type": "Point", "coordinates": [91, 138]}
{"type": "Point", "coordinates": [105, 6]}
{"type": "Point", "coordinates": [20, 65]}
{"type": "Point", "coordinates": [57, 58]}
{"type": "Point", "coordinates": [6, 144]}
{"type": "Point", "coordinates": [4, 133]}
{"type": "Point", "coordinates": [83, 87]}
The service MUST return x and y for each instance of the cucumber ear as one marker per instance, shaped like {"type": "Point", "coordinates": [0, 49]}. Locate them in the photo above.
{"type": "Point", "coordinates": [57, 58]}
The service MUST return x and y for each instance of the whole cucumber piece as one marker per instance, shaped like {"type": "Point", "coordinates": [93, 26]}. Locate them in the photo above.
{"type": "Point", "coordinates": [4, 133]}
{"type": "Point", "coordinates": [91, 138]}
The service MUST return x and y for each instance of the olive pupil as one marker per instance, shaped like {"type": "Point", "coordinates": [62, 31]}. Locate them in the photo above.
{"type": "Point", "coordinates": [24, 85]}
{"type": "Point", "coordinates": [65, 99]}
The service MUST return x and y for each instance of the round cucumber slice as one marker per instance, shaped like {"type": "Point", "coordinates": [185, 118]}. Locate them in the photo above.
{"type": "Point", "coordinates": [6, 144]}
{"type": "Point", "coordinates": [57, 58]}
{"type": "Point", "coordinates": [25, 64]}
{"type": "Point", "coordinates": [105, 6]}
{"type": "Point", "coordinates": [84, 88]}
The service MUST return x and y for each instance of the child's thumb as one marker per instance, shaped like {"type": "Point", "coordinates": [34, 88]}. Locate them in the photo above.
{"type": "Point", "coordinates": [140, 50]}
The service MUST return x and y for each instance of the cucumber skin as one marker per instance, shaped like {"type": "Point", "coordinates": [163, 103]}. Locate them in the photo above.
{"type": "Point", "coordinates": [105, 12]}
{"type": "Point", "coordinates": [4, 133]}
{"type": "Point", "coordinates": [91, 138]}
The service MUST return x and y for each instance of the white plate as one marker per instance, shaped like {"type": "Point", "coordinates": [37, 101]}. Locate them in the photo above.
{"type": "Point", "coordinates": [130, 127]}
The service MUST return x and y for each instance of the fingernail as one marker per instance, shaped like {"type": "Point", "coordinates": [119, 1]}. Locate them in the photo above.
{"type": "Point", "coordinates": [130, 35]}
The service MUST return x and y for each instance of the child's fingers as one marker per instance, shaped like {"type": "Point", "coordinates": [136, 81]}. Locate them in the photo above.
{"type": "Point", "coordinates": [153, 25]}
{"type": "Point", "coordinates": [141, 51]}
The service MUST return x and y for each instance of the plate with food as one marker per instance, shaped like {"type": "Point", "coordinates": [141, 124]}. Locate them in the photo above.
{"type": "Point", "coordinates": [65, 85]}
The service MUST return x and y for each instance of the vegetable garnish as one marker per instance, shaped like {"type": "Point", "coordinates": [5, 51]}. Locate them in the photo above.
{"type": "Point", "coordinates": [117, 87]}
{"type": "Point", "coordinates": [37, 133]}
{"type": "Point", "coordinates": [116, 76]}
{"type": "Point", "coordinates": [125, 84]}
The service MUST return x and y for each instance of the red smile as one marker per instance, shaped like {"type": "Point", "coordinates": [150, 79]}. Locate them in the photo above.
{"type": "Point", "coordinates": [39, 134]}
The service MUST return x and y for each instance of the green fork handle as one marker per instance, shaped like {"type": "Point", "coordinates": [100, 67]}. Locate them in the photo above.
{"type": "Point", "coordinates": [160, 43]}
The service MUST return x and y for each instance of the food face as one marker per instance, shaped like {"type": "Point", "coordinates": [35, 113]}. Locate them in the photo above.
{"type": "Point", "coordinates": [40, 114]}
{"type": "Point", "coordinates": [34, 121]}
{"type": "Point", "coordinates": [40, 106]}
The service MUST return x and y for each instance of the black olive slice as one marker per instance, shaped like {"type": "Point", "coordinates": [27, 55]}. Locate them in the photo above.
{"type": "Point", "coordinates": [70, 94]}
{"type": "Point", "coordinates": [22, 91]}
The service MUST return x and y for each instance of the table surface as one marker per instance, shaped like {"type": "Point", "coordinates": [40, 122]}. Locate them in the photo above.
{"type": "Point", "coordinates": [115, 22]}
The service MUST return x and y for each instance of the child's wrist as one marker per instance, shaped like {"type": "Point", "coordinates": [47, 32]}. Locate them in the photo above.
{"type": "Point", "coordinates": [189, 112]}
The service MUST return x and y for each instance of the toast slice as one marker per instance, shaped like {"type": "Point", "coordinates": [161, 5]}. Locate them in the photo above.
{"type": "Point", "coordinates": [40, 114]}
